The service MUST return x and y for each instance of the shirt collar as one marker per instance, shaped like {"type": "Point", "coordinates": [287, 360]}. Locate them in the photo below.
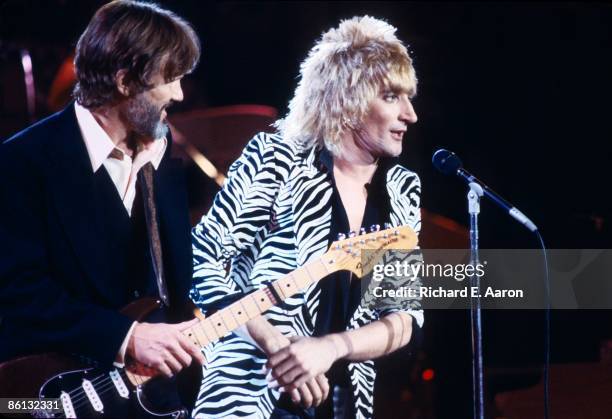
{"type": "Point", "coordinates": [98, 143]}
{"type": "Point", "coordinates": [100, 146]}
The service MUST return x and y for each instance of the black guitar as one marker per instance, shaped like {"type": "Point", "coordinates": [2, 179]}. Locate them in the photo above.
{"type": "Point", "coordinates": [138, 390]}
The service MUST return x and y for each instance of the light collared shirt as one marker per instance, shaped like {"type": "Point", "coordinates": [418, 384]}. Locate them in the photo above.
{"type": "Point", "coordinates": [121, 168]}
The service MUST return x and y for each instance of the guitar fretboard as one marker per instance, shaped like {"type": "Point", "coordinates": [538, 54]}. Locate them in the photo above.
{"type": "Point", "coordinates": [343, 254]}
{"type": "Point", "coordinates": [254, 304]}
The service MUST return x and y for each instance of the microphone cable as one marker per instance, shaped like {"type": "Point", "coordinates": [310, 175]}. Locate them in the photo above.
{"type": "Point", "coordinates": [546, 367]}
{"type": "Point", "coordinates": [449, 163]}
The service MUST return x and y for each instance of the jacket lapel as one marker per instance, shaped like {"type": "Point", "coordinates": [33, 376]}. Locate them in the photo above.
{"type": "Point", "coordinates": [174, 225]}
{"type": "Point", "coordinates": [71, 186]}
{"type": "Point", "coordinates": [404, 198]}
{"type": "Point", "coordinates": [312, 192]}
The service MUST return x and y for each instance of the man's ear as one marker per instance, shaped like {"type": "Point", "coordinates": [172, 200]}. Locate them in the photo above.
{"type": "Point", "coordinates": [120, 82]}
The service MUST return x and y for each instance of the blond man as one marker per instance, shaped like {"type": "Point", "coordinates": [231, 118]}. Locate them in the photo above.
{"type": "Point", "coordinates": [331, 168]}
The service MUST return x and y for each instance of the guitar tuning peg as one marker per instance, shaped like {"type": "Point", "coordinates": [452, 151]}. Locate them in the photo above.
{"type": "Point", "coordinates": [374, 228]}
{"type": "Point", "coordinates": [362, 231]}
{"type": "Point", "coordinates": [341, 236]}
{"type": "Point", "coordinates": [387, 225]}
{"type": "Point", "coordinates": [351, 234]}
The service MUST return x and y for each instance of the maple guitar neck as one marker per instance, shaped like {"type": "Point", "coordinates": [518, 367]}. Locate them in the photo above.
{"type": "Point", "coordinates": [342, 255]}
{"type": "Point", "coordinates": [254, 304]}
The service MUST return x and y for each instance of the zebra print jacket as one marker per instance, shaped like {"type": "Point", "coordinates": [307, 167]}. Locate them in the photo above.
{"type": "Point", "coordinates": [272, 215]}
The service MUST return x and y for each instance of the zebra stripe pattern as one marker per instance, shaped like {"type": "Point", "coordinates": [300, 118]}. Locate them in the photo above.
{"type": "Point", "coordinates": [272, 215]}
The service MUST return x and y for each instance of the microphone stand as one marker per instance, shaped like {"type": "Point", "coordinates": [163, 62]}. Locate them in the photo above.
{"type": "Point", "coordinates": [474, 194]}
{"type": "Point", "coordinates": [448, 163]}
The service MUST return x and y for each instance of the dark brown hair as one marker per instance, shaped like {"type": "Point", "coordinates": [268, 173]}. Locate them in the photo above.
{"type": "Point", "coordinates": [142, 39]}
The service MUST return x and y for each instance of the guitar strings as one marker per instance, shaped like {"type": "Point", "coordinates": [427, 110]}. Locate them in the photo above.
{"type": "Point", "coordinates": [93, 381]}
{"type": "Point", "coordinates": [104, 384]}
{"type": "Point", "coordinates": [82, 401]}
{"type": "Point", "coordinates": [85, 400]}
{"type": "Point", "coordinates": [83, 395]}
{"type": "Point", "coordinates": [80, 395]}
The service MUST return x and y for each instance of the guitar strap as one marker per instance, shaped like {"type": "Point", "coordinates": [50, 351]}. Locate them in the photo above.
{"type": "Point", "coordinates": [148, 197]}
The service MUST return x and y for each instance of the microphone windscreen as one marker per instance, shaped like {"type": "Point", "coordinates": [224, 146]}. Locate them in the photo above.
{"type": "Point", "coordinates": [446, 162]}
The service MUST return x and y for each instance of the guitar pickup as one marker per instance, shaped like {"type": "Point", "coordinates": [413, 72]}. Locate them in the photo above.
{"type": "Point", "coordinates": [67, 405]}
{"type": "Point", "coordinates": [93, 397]}
{"type": "Point", "coordinates": [119, 384]}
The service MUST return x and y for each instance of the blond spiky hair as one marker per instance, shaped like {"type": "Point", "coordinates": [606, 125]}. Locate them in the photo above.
{"type": "Point", "coordinates": [343, 72]}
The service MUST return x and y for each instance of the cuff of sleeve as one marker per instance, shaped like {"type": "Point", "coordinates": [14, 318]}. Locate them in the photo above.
{"type": "Point", "coordinates": [417, 315]}
{"type": "Point", "coordinates": [120, 359]}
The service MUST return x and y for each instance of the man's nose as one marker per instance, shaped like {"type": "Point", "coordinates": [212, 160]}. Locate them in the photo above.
{"type": "Point", "coordinates": [408, 113]}
{"type": "Point", "coordinates": [177, 90]}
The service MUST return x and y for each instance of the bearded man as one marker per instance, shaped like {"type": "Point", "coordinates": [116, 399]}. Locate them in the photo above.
{"type": "Point", "coordinates": [77, 237]}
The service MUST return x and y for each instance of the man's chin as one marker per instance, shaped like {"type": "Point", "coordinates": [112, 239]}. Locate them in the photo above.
{"type": "Point", "coordinates": [157, 133]}
{"type": "Point", "coordinates": [161, 131]}
{"type": "Point", "coordinates": [392, 153]}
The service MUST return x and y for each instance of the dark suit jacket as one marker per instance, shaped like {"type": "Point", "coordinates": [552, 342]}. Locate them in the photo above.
{"type": "Point", "coordinates": [58, 286]}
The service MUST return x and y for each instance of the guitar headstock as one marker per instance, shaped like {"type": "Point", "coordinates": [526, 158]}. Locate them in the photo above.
{"type": "Point", "coordinates": [346, 252]}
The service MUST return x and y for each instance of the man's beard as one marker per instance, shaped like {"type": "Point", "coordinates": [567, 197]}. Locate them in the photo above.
{"type": "Point", "coordinates": [144, 118]}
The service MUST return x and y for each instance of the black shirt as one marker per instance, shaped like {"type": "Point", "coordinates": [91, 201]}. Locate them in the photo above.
{"type": "Point", "coordinates": [341, 294]}
{"type": "Point", "coordinates": [341, 291]}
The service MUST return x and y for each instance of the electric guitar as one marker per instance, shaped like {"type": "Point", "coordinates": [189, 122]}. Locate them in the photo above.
{"type": "Point", "coordinates": [93, 392]}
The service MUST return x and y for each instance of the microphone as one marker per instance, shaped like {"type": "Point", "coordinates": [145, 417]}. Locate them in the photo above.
{"type": "Point", "coordinates": [448, 163]}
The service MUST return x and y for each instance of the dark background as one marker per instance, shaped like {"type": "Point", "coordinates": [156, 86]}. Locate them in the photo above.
{"type": "Point", "coordinates": [521, 91]}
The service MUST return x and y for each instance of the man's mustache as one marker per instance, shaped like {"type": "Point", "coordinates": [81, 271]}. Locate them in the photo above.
{"type": "Point", "coordinates": [167, 105]}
